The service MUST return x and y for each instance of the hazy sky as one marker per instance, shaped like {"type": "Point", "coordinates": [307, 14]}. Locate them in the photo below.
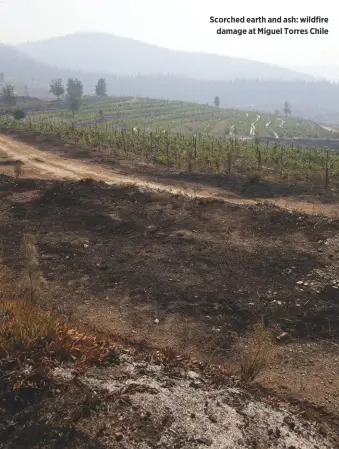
{"type": "Point", "coordinates": [179, 24]}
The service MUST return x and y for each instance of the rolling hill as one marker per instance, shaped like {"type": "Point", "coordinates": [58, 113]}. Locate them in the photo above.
{"type": "Point", "coordinates": [122, 56]}
{"type": "Point", "coordinates": [315, 100]}
{"type": "Point", "coordinates": [17, 65]}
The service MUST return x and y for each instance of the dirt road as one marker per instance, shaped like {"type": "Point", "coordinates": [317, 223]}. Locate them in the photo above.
{"type": "Point", "coordinates": [59, 167]}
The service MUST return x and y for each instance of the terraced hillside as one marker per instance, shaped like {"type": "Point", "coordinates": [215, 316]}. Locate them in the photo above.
{"type": "Point", "coordinates": [181, 117]}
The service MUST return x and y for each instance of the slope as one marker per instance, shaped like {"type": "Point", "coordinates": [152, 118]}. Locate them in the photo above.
{"type": "Point", "coordinates": [15, 64]}
{"type": "Point", "coordinates": [112, 54]}
{"type": "Point", "coordinates": [266, 95]}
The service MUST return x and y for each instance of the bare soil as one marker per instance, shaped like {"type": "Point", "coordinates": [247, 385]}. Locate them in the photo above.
{"type": "Point", "coordinates": [182, 263]}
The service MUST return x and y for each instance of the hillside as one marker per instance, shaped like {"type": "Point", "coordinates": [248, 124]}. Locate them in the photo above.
{"type": "Point", "coordinates": [182, 118]}
{"type": "Point", "coordinates": [255, 94]}
{"type": "Point", "coordinates": [107, 53]}
{"type": "Point", "coordinates": [320, 71]}
{"type": "Point", "coordinates": [15, 64]}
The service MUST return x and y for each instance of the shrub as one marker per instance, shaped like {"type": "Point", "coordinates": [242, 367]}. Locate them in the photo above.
{"type": "Point", "coordinates": [256, 353]}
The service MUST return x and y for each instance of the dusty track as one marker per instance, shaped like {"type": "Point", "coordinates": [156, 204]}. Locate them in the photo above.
{"type": "Point", "coordinates": [61, 168]}
{"type": "Point", "coordinates": [66, 168]}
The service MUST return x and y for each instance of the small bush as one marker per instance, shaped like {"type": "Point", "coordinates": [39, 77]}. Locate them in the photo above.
{"type": "Point", "coordinates": [256, 354]}
{"type": "Point", "coordinates": [19, 114]}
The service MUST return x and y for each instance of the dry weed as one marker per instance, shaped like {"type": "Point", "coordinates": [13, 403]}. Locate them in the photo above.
{"type": "Point", "coordinates": [18, 169]}
{"type": "Point", "coordinates": [256, 353]}
{"type": "Point", "coordinates": [32, 279]}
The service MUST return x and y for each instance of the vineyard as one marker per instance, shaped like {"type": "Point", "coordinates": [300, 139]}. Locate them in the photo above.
{"type": "Point", "coordinates": [180, 118]}
{"type": "Point", "coordinates": [194, 153]}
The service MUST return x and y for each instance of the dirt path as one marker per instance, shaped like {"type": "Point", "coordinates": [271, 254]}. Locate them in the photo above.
{"type": "Point", "coordinates": [67, 168]}
{"type": "Point", "coordinates": [61, 167]}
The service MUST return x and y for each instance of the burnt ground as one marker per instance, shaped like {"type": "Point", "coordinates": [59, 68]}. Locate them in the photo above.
{"type": "Point", "coordinates": [133, 402]}
{"type": "Point", "coordinates": [194, 274]}
{"type": "Point", "coordinates": [197, 258]}
{"type": "Point", "coordinates": [189, 273]}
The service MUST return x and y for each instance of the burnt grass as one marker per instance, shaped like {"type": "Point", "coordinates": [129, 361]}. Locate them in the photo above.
{"type": "Point", "coordinates": [203, 259]}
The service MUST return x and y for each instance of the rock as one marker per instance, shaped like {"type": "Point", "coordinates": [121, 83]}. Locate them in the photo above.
{"type": "Point", "coordinates": [156, 321]}
{"type": "Point", "coordinates": [283, 337]}
{"type": "Point", "coordinates": [152, 228]}
{"type": "Point", "coordinates": [196, 384]}
{"type": "Point", "coordinates": [118, 436]}
{"type": "Point", "coordinates": [193, 375]}
{"type": "Point", "coordinates": [213, 418]}
{"type": "Point", "coordinates": [205, 441]}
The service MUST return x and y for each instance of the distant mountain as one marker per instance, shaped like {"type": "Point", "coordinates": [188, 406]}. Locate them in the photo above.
{"type": "Point", "coordinates": [95, 52]}
{"type": "Point", "coordinates": [330, 73]}
{"type": "Point", "coordinates": [317, 100]}
{"type": "Point", "coordinates": [14, 63]}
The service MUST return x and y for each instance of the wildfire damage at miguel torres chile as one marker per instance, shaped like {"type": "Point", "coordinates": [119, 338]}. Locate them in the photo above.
{"type": "Point", "coordinates": [270, 31]}
{"type": "Point", "coordinates": [169, 226]}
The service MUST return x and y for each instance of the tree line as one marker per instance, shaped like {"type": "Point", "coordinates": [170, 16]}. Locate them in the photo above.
{"type": "Point", "coordinates": [74, 92]}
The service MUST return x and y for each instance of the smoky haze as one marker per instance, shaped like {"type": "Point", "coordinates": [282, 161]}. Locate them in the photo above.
{"type": "Point", "coordinates": [178, 25]}
{"type": "Point", "coordinates": [170, 49]}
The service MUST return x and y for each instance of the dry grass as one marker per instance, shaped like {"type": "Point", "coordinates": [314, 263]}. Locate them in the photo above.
{"type": "Point", "coordinates": [256, 353]}
{"type": "Point", "coordinates": [32, 341]}
{"type": "Point", "coordinates": [23, 326]}
{"type": "Point", "coordinates": [33, 280]}
{"type": "Point", "coordinates": [18, 170]}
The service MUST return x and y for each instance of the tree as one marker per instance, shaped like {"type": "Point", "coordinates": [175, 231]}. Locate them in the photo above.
{"type": "Point", "coordinates": [100, 88]}
{"type": "Point", "coordinates": [75, 87]}
{"type": "Point", "coordinates": [8, 95]}
{"type": "Point", "coordinates": [287, 108]}
{"type": "Point", "coordinates": [75, 91]}
{"type": "Point", "coordinates": [56, 88]}
{"type": "Point", "coordinates": [217, 101]}
{"type": "Point", "coordinates": [26, 90]}
{"type": "Point", "coordinates": [2, 77]}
